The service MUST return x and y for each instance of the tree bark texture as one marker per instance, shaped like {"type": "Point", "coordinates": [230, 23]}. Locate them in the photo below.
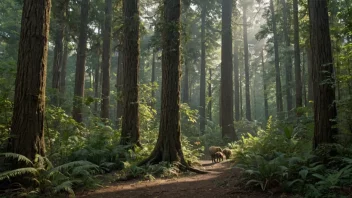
{"type": "Point", "coordinates": [59, 11]}
{"type": "Point", "coordinates": [246, 65]}
{"type": "Point", "coordinates": [106, 61]}
{"type": "Point", "coordinates": [202, 107]}
{"type": "Point", "coordinates": [168, 147]}
{"type": "Point", "coordinates": [279, 103]}
{"type": "Point", "coordinates": [323, 74]}
{"type": "Point", "coordinates": [228, 130]}
{"type": "Point", "coordinates": [80, 64]}
{"type": "Point", "coordinates": [130, 119]}
{"type": "Point", "coordinates": [298, 75]}
{"type": "Point", "coordinates": [287, 59]}
{"type": "Point", "coordinates": [27, 129]}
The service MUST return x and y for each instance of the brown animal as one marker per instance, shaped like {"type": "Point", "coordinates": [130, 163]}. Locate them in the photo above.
{"type": "Point", "coordinates": [227, 153]}
{"type": "Point", "coordinates": [212, 151]}
{"type": "Point", "coordinates": [219, 156]}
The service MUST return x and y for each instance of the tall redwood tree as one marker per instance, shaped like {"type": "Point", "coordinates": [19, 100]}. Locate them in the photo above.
{"type": "Point", "coordinates": [322, 73]}
{"type": "Point", "coordinates": [226, 104]}
{"type": "Point", "coordinates": [27, 129]}
{"type": "Point", "coordinates": [130, 117]}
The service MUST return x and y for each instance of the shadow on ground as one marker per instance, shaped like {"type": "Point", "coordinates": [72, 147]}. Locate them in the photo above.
{"type": "Point", "coordinates": [220, 182]}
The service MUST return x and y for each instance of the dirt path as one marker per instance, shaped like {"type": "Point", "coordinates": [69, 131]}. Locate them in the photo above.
{"type": "Point", "coordinates": [220, 182]}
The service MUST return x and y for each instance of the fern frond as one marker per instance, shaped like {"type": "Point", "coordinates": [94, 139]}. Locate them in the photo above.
{"type": "Point", "coordinates": [17, 172]}
{"type": "Point", "coordinates": [67, 166]}
{"type": "Point", "coordinates": [18, 157]}
{"type": "Point", "coordinates": [91, 168]}
{"type": "Point", "coordinates": [65, 187]}
{"type": "Point", "coordinates": [43, 161]}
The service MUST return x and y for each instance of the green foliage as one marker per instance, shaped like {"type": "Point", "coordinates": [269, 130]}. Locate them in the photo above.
{"type": "Point", "coordinates": [44, 179]}
{"type": "Point", "coordinates": [281, 158]}
{"type": "Point", "coordinates": [150, 172]}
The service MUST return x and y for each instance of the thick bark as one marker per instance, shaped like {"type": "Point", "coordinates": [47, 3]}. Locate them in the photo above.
{"type": "Point", "coordinates": [185, 89]}
{"type": "Point", "coordinates": [246, 65]}
{"type": "Point", "coordinates": [279, 104]}
{"type": "Point", "coordinates": [80, 64]}
{"type": "Point", "coordinates": [323, 74]}
{"type": "Point", "coordinates": [298, 78]}
{"type": "Point", "coordinates": [228, 130]}
{"type": "Point", "coordinates": [130, 119]}
{"type": "Point", "coordinates": [210, 96]}
{"type": "Point", "coordinates": [202, 115]}
{"type": "Point", "coordinates": [27, 129]}
{"type": "Point", "coordinates": [287, 59]}
{"type": "Point", "coordinates": [119, 88]}
{"type": "Point", "coordinates": [237, 83]}
{"type": "Point", "coordinates": [266, 106]}
{"type": "Point", "coordinates": [106, 61]}
{"type": "Point", "coordinates": [59, 11]}
{"type": "Point", "coordinates": [168, 147]}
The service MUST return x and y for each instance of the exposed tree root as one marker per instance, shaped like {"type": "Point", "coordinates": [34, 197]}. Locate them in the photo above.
{"type": "Point", "coordinates": [182, 164]}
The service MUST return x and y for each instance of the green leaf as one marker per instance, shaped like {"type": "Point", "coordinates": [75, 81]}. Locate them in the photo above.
{"type": "Point", "coordinates": [17, 172]}
{"type": "Point", "coordinates": [319, 176]}
{"type": "Point", "coordinates": [18, 157]}
{"type": "Point", "coordinates": [303, 173]}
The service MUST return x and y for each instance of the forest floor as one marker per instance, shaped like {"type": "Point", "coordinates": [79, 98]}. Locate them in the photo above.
{"type": "Point", "coordinates": [221, 181]}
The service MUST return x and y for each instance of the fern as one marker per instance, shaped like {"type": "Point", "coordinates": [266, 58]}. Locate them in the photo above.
{"type": "Point", "coordinates": [18, 157]}
{"type": "Point", "coordinates": [18, 172]}
{"type": "Point", "coordinates": [90, 168]}
{"type": "Point", "coordinates": [70, 165]}
{"type": "Point", "coordinates": [65, 187]}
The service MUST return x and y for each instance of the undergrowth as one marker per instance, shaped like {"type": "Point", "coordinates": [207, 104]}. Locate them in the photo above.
{"type": "Point", "coordinates": [279, 159]}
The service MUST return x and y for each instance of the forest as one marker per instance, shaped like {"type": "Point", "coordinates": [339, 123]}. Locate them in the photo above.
{"type": "Point", "coordinates": [175, 98]}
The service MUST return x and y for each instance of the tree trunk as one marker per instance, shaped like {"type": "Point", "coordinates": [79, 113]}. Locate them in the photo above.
{"type": "Point", "coordinates": [168, 147]}
{"type": "Point", "coordinates": [266, 106]}
{"type": "Point", "coordinates": [310, 73]}
{"type": "Point", "coordinates": [185, 90]}
{"type": "Point", "coordinates": [63, 70]}
{"type": "Point", "coordinates": [304, 82]}
{"type": "Point", "coordinates": [27, 129]}
{"type": "Point", "coordinates": [106, 61]}
{"type": "Point", "coordinates": [153, 73]}
{"type": "Point", "coordinates": [287, 60]}
{"type": "Point", "coordinates": [97, 80]}
{"type": "Point", "coordinates": [119, 87]}
{"type": "Point", "coordinates": [228, 130]}
{"type": "Point", "coordinates": [80, 64]}
{"type": "Point", "coordinates": [59, 11]}
{"type": "Point", "coordinates": [237, 83]}
{"type": "Point", "coordinates": [323, 74]}
{"type": "Point", "coordinates": [246, 65]}
{"type": "Point", "coordinates": [202, 115]}
{"type": "Point", "coordinates": [241, 95]}
{"type": "Point", "coordinates": [298, 79]}
{"type": "Point", "coordinates": [210, 92]}
{"type": "Point", "coordinates": [130, 119]}
{"type": "Point", "coordinates": [279, 104]}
